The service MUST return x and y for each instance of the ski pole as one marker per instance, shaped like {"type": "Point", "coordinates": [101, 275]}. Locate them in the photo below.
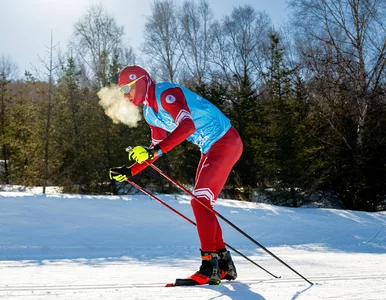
{"type": "Point", "coordinates": [190, 221]}
{"type": "Point", "coordinates": [226, 220]}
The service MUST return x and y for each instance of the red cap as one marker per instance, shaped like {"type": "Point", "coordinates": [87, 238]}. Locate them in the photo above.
{"type": "Point", "coordinates": [131, 73]}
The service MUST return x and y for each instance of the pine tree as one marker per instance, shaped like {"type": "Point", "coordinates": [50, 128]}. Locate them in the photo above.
{"type": "Point", "coordinates": [281, 142]}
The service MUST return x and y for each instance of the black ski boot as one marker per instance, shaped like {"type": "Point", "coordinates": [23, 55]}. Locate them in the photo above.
{"type": "Point", "coordinates": [207, 274]}
{"type": "Point", "coordinates": [226, 266]}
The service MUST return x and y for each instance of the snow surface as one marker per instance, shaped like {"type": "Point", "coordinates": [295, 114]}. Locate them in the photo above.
{"type": "Point", "coordinates": [61, 246]}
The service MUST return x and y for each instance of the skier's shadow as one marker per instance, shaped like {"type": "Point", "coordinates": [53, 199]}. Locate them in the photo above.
{"type": "Point", "coordinates": [235, 290]}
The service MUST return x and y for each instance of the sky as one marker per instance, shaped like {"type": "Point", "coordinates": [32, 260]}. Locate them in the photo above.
{"type": "Point", "coordinates": [68, 246]}
{"type": "Point", "coordinates": [26, 25]}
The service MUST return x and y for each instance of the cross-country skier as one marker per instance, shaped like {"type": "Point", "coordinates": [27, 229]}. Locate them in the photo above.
{"type": "Point", "coordinates": [172, 108]}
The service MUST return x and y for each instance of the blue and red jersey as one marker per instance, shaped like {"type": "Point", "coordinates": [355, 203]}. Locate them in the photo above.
{"type": "Point", "coordinates": [185, 115]}
{"type": "Point", "coordinates": [175, 104]}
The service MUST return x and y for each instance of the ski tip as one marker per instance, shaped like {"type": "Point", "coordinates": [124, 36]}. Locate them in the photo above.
{"type": "Point", "coordinates": [169, 285]}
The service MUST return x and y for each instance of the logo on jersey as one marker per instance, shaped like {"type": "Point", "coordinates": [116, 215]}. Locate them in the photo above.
{"type": "Point", "coordinates": [170, 99]}
{"type": "Point", "coordinates": [201, 139]}
{"type": "Point", "coordinates": [133, 77]}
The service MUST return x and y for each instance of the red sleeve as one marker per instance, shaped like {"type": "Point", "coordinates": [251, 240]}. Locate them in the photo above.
{"type": "Point", "coordinates": [136, 167]}
{"type": "Point", "coordinates": [174, 102]}
{"type": "Point", "coordinates": [157, 135]}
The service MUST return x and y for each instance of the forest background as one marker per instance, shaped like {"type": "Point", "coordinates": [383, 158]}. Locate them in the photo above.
{"type": "Point", "coordinates": [308, 100]}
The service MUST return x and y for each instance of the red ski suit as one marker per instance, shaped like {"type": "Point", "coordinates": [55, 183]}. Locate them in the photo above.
{"type": "Point", "coordinates": [213, 169]}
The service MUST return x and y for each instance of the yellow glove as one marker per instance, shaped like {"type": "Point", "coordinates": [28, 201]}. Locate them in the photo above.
{"type": "Point", "coordinates": [140, 154]}
{"type": "Point", "coordinates": [120, 174]}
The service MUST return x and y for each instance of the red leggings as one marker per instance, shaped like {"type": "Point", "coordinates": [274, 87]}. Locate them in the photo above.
{"type": "Point", "coordinates": [212, 173]}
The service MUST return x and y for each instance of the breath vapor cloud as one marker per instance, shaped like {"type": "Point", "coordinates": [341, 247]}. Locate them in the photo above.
{"type": "Point", "coordinates": [117, 107]}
